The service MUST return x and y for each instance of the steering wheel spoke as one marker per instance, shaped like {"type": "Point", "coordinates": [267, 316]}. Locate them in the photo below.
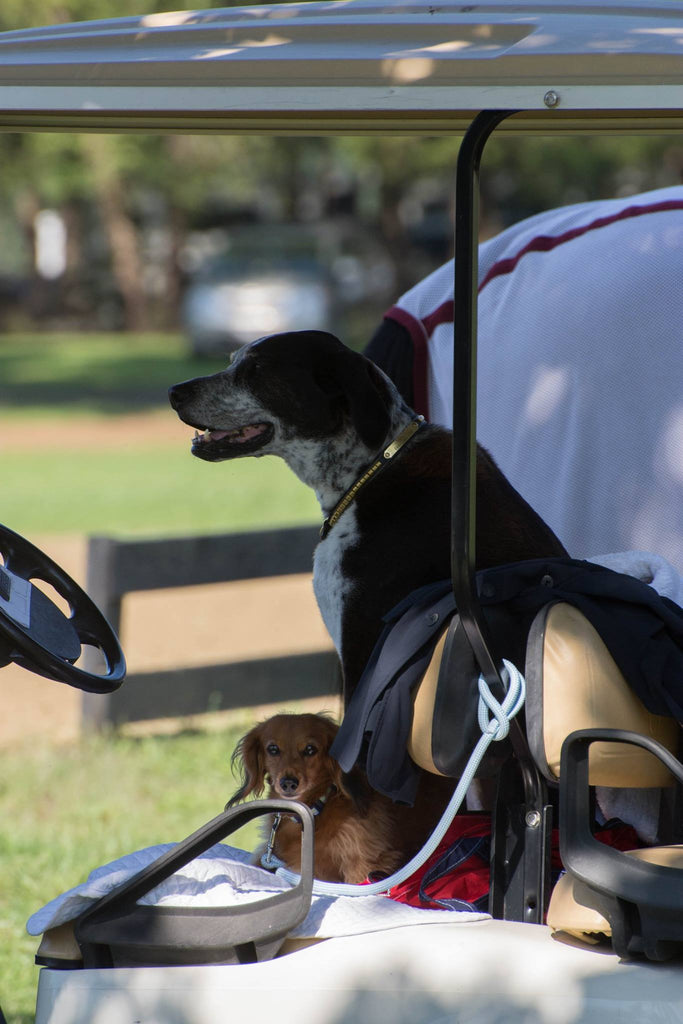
{"type": "Point", "coordinates": [43, 637]}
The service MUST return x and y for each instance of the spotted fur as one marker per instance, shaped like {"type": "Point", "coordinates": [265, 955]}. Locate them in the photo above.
{"type": "Point", "coordinates": [327, 411]}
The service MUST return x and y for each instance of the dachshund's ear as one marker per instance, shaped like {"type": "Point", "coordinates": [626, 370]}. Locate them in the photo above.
{"type": "Point", "coordinates": [353, 785]}
{"type": "Point", "coordinates": [248, 758]}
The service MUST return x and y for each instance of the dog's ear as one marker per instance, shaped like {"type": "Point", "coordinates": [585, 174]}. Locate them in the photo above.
{"type": "Point", "coordinates": [248, 758]}
{"type": "Point", "coordinates": [363, 392]}
{"type": "Point", "coordinates": [353, 785]}
{"type": "Point", "coordinates": [313, 382]}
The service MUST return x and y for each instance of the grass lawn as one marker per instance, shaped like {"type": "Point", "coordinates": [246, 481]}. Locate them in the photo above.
{"type": "Point", "coordinates": [57, 385]}
{"type": "Point", "coordinates": [68, 810]}
{"type": "Point", "coordinates": [154, 489]}
{"type": "Point", "coordinates": [60, 375]}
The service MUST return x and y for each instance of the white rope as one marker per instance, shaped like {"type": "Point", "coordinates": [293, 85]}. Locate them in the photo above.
{"type": "Point", "coordinates": [493, 729]}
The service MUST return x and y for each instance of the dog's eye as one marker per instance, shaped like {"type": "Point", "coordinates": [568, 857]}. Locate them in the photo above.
{"type": "Point", "coordinates": [243, 367]}
{"type": "Point", "coordinates": [310, 750]}
{"type": "Point", "coordinates": [273, 749]}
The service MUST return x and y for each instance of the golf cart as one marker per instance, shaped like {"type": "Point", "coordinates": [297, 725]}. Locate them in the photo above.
{"type": "Point", "coordinates": [413, 68]}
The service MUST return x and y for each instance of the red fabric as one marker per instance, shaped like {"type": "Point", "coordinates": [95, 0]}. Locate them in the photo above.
{"type": "Point", "coordinates": [470, 880]}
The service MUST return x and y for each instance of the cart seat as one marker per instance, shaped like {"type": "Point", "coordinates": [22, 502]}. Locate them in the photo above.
{"type": "Point", "coordinates": [585, 728]}
{"type": "Point", "coordinates": [593, 895]}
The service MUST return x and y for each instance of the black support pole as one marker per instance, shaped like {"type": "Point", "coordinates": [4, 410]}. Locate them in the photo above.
{"type": "Point", "coordinates": [517, 893]}
{"type": "Point", "coordinates": [463, 493]}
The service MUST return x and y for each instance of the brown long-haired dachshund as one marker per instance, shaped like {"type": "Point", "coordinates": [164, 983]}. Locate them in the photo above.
{"type": "Point", "coordinates": [356, 829]}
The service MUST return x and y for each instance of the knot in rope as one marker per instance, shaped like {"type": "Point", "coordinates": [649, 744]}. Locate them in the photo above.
{"type": "Point", "coordinates": [491, 730]}
{"type": "Point", "coordinates": [499, 726]}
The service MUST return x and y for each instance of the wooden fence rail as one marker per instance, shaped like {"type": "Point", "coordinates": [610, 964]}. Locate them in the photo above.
{"type": "Point", "coordinates": [120, 567]}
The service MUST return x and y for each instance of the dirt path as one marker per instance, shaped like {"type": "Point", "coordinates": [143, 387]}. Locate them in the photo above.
{"type": "Point", "coordinates": [84, 432]}
{"type": "Point", "coordinates": [192, 626]}
{"type": "Point", "coordinates": [171, 628]}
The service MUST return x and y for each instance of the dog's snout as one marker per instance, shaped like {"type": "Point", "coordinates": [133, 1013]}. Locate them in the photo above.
{"type": "Point", "coordinates": [184, 399]}
{"type": "Point", "coordinates": [178, 393]}
{"type": "Point", "coordinates": [288, 785]}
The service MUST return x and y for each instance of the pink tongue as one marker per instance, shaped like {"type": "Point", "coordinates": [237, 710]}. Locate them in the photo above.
{"type": "Point", "coordinates": [249, 432]}
{"type": "Point", "coordinates": [245, 434]}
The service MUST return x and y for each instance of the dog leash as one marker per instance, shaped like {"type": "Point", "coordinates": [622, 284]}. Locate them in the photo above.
{"type": "Point", "coordinates": [385, 456]}
{"type": "Point", "coordinates": [493, 729]}
{"type": "Point", "coordinates": [269, 861]}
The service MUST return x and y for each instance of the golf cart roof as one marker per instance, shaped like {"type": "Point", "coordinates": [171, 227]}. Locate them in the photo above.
{"type": "Point", "coordinates": [353, 66]}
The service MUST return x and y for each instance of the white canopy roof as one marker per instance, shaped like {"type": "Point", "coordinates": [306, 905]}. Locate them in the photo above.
{"type": "Point", "coordinates": [352, 66]}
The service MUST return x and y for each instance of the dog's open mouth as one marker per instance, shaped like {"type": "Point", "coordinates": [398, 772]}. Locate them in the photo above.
{"type": "Point", "coordinates": [214, 445]}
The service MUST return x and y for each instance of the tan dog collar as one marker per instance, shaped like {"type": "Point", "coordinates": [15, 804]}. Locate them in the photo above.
{"type": "Point", "coordinates": [385, 456]}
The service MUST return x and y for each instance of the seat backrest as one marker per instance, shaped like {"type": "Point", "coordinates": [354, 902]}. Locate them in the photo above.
{"type": "Point", "coordinates": [420, 746]}
{"type": "Point", "coordinates": [573, 683]}
{"type": "Point", "coordinates": [445, 727]}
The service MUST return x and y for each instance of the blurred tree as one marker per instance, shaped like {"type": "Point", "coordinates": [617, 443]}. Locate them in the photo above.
{"type": "Point", "coordinates": [146, 190]}
{"type": "Point", "coordinates": [524, 176]}
{"type": "Point", "coordinates": [59, 170]}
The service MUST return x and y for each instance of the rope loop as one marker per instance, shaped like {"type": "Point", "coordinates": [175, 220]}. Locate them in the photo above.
{"type": "Point", "coordinates": [498, 727]}
{"type": "Point", "coordinates": [491, 730]}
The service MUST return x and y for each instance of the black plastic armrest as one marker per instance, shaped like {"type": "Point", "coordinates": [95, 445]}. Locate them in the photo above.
{"type": "Point", "coordinates": [591, 861]}
{"type": "Point", "coordinates": [118, 920]}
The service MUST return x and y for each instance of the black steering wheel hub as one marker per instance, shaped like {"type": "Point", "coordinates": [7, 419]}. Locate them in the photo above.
{"type": "Point", "coordinates": [37, 634]}
{"type": "Point", "coordinates": [46, 623]}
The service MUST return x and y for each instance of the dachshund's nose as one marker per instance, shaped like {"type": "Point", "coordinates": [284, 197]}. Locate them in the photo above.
{"type": "Point", "coordinates": [289, 785]}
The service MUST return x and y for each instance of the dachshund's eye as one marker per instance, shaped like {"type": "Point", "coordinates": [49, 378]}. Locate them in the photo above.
{"type": "Point", "coordinates": [309, 750]}
{"type": "Point", "coordinates": [272, 749]}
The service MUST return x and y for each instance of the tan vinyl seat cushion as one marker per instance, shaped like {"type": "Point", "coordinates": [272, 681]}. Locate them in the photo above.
{"type": "Point", "coordinates": [420, 738]}
{"type": "Point", "coordinates": [567, 915]}
{"type": "Point", "coordinates": [584, 689]}
{"type": "Point", "coordinates": [60, 943]}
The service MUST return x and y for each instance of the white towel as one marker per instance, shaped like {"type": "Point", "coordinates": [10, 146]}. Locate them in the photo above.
{"type": "Point", "coordinates": [651, 569]}
{"type": "Point", "coordinates": [224, 877]}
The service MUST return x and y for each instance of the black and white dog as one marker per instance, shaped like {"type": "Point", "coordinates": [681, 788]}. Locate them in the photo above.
{"type": "Point", "coordinates": [381, 476]}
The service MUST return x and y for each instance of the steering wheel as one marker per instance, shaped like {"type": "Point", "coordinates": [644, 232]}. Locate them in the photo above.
{"type": "Point", "coordinates": [36, 634]}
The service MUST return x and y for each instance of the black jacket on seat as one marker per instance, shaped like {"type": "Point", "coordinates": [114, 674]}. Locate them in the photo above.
{"type": "Point", "coordinates": [642, 630]}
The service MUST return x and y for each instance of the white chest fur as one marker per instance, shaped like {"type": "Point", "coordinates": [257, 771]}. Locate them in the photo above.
{"type": "Point", "coordinates": [329, 584]}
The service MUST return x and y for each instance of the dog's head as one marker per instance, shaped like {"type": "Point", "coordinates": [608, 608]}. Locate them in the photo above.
{"type": "Point", "coordinates": [303, 384]}
{"type": "Point", "coordinates": [291, 755]}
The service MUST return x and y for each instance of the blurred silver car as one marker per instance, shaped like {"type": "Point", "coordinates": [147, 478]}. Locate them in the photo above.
{"type": "Point", "coordinates": [227, 305]}
{"type": "Point", "coordinates": [247, 282]}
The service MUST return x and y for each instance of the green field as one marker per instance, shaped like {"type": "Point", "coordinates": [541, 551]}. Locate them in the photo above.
{"type": "Point", "coordinates": [138, 485]}
{"type": "Point", "coordinates": [153, 489]}
{"type": "Point", "coordinates": [67, 810]}
{"type": "Point", "coordinates": [60, 375]}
